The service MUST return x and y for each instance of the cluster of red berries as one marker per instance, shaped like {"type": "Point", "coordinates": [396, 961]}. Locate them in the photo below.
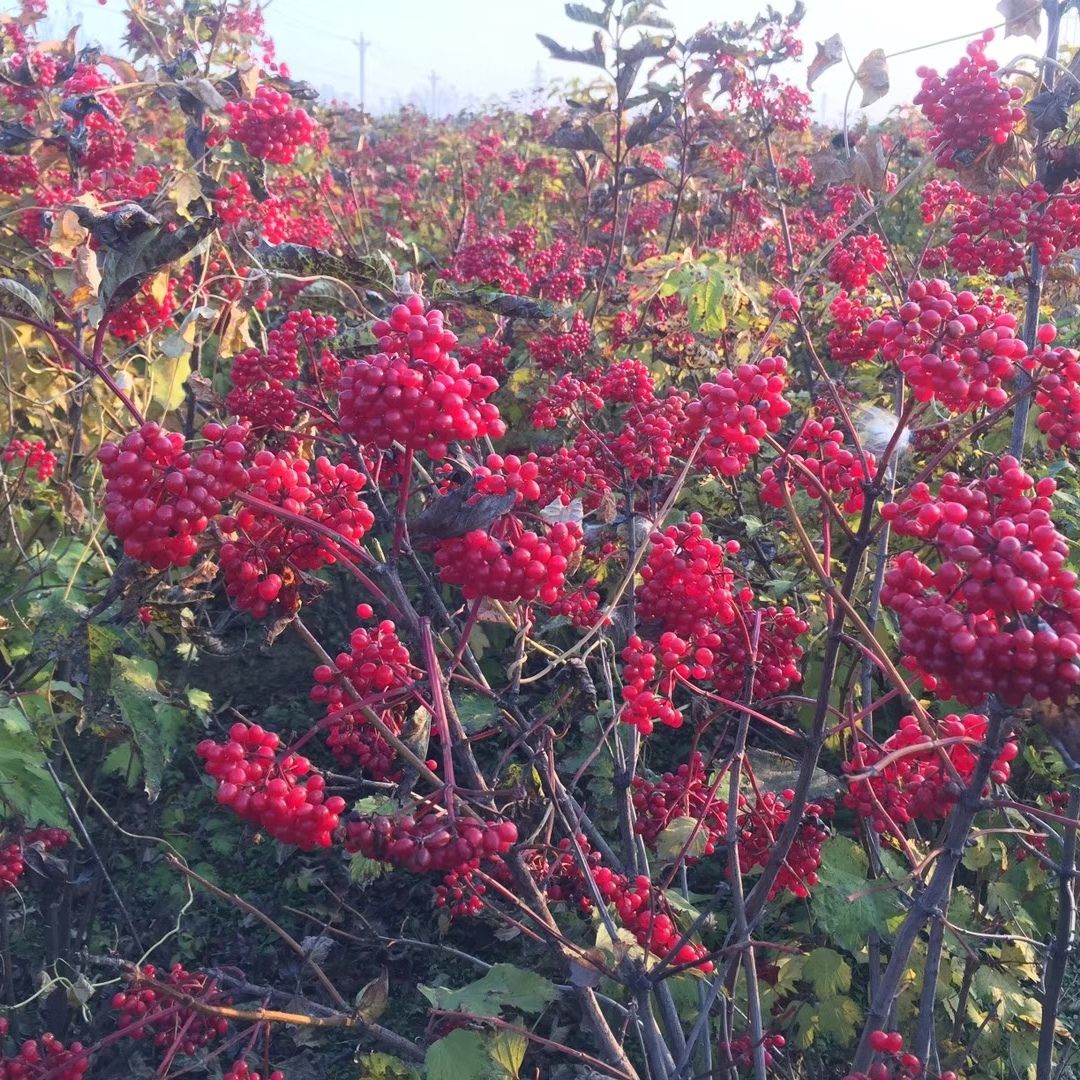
{"type": "Point", "coordinates": [951, 348]}
{"type": "Point", "coordinates": [846, 340]}
{"type": "Point", "coordinates": [259, 379]}
{"type": "Point", "coordinates": [686, 792]}
{"type": "Point", "coordinates": [35, 456]}
{"type": "Point", "coordinates": [648, 681]}
{"type": "Point", "coordinates": [269, 126]}
{"type": "Point", "coordinates": [434, 842]}
{"type": "Point", "coordinates": [240, 1070]}
{"type": "Point", "coordinates": [267, 790]}
{"type": "Point", "coordinates": [686, 588]}
{"type": "Point", "coordinates": [511, 563]}
{"type": "Point", "coordinates": [1057, 392]}
{"type": "Point", "coordinates": [851, 264]}
{"type": "Point", "coordinates": [500, 475]}
{"type": "Point", "coordinates": [552, 351]}
{"type": "Point", "coordinates": [159, 497]}
{"type": "Point", "coordinates": [145, 312]}
{"type": "Point", "coordinates": [562, 398]}
{"type": "Point", "coordinates": [915, 785]}
{"type": "Point", "coordinates": [377, 662]}
{"type": "Point", "coordinates": [265, 552]}
{"type": "Point", "coordinates": [741, 1050]}
{"type": "Point", "coordinates": [990, 230]}
{"type": "Point", "coordinates": [12, 860]}
{"type": "Point", "coordinates": [833, 468]}
{"type": "Point", "coordinates": [738, 410]}
{"type": "Point", "coordinates": [644, 911]}
{"type": "Point", "coordinates": [581, 606]}
{"type": "Point", "coordinates": [648, 438]}
{"type": "Point", "coordinates": [157, 1017]}
{"type": "Point", "coordinates": [1001, 613]}
{"type": "Point", "coordinates": [758, 827]}
{"type": "Point", "coordinates": [640, 907]}
{"type": "Point", "coordinates": [414, 391]}
{"type": "Point", "coordinates": [46, 1058]}
{"type": "Point", "coordinates": [896, 1064]}
{"type": "Point", "coordinates": [775, 662]}
{"type": "Point", "coordinates": [969, 106]}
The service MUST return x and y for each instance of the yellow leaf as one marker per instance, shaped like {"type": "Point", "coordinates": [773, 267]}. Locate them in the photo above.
{"type": "Point", "coordinates": [185, 191]}
{"type": "Point", "coordinates": [159, 286]}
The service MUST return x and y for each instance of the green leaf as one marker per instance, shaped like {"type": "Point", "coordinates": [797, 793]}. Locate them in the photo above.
{"type": "Point", "coordinates": [828, 972]}
{"type": "Point", "coordinates": [839, 1018]}
{"type": "Point", "coordinates": [507, 1051]}
{"type": "Point", "coordinates": [384, 1067]}
{"type": "Point", "coordinates": [675, 836]}
{"type": "Point", "coordinates": [846, 917]}
{"type": "Point", "coordinates": [462, 1055]}
{"type": "Point", "coordinates": [503, 987]}
{"type": "Point", "coordinates": [26, 788]}
{"type": "Point", "coordinates": [154, 724]}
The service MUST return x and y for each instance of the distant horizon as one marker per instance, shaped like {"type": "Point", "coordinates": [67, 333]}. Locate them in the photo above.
{"type": "Point", "coordinates": [493, 55]}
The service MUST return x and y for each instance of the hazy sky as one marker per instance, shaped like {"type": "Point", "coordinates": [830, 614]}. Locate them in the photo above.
{"type": "Point", "coordinates": [484, 48]}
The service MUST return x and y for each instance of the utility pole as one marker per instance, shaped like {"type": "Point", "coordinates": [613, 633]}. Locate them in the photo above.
{"type": "Point", "coordinates": [434, 80]}
{"type": "Point", "coordinates": [362, 45]}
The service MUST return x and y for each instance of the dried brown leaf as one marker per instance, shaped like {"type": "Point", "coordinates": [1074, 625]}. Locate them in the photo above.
{"type": "Point", "coordinates": [873, 77]}
{"type": "Point", "coordinates": [829, 52]}
{"type": "Point", "coordinates": [1023, 18]}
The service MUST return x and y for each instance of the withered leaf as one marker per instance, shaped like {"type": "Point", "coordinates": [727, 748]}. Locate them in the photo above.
{"type": "Point", "coordinates": [1023, 18]}
{"type": "Point", "coordinates": [454, 515]}
{"type": "Point", "coordinates": [1047, 111]}
{"type": "Point", "coordinates": [829, 52]}
{"type": "Point", "coordinates": [873, 77]}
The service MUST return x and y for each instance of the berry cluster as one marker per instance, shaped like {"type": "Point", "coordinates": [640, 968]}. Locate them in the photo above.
{"type": "Point", "coordinates": [847, 340]}
{"type": "Point", "coordinates": [760, 824]}
{"type": "Point", "coordinates": [268, 791]}
{"type": "Point", "coordinates": [159, 497]}
{"type": "Point", "coordinates": [1001, 613]}
{"type": "Point", "coordinates": [915, 786]}
{"type": "Point", "coordinates": [639, 906]}
{"type": "Point", "coordinates": [969, 106]}
{"type": "Point", "coordinates": [240, 1070]}
{"type": "Point", "coordinates": [269, 126]}
{"type": "Point", "coordinates": [413, 391]}
{"type": "Point", "coordinates": [434, 842]}
{"type": "Point", "coordinates": [12, 861]}
{"type": "Point", "coordinates": [952, 349]}
{"type": "Point", "coordinates": [260, 394]}
{"type": "Point", "coordinates": [581, 606]}
{"type": "Point", "coordinates": [738, 410]}
{"type": "Point", "coordinates": [895, 1064]}
{"type": "Point", "coordinates": [741, 1050]}
{"type": "Point", "coordinates": [680, 794]}
{"type": "Point", "coordinates": [265, 552]}
{"type": "Point", "coordinates": [1057, 392]}
{"type": "Point", "coordinates": [685, 585]}
{"type": "Point", "coordinates": [34, 455]}
{"type": "Point", "coordinates": [377, 663]}
{"type": "Point", "coordinates": [851, 264]}
{"type": "Point", "coordinates": [552, 351]}
{"type": "Point", "coordinates": [834, 469]}
{"type": "Point", "coordinates": [648, 681]}
{"type": "Point", "coordinates": [156, 1016]}
{"type": "Point", "coordinates": [775, 663]}
{"type": "Point", "coordinates": [511, 563]}
{"type": "Point", "coordinates": [46, 1058]}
